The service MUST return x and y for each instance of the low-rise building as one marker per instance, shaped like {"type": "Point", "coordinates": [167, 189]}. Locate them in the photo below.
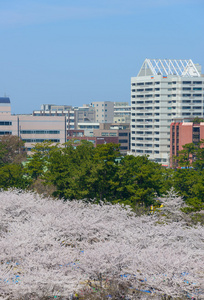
{"type": "Point", "coordinates": [182, 133]}
{"type": "Point", "coordinates": [122, 131]}
{"type": "Point", "coordinates": [31, 128]}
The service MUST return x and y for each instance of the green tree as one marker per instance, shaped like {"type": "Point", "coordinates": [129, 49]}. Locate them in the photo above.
{"type": "Point", "coordinates": [187, 155]}
{"type": "Point", "coordinates": [12, 153]}
{"type": "Point", "coordinates": [139, 181]}
{"type": "Point", "coordinates": [12, 175]}
{"type": "Point", "coordinates": [71, 170]}
{"type": "Point", "coordinates": [106, 160]}
{"type": "Point", "coordinates": [37, 162]}
{"type": "Point", "coordinates": [189, 183]}
{"type": "Point", "coordinates": [198, 162]}
{"type": "Point", "coordinates": [11, 150]}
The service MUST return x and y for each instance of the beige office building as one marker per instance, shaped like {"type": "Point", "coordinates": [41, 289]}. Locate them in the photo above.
{"type": "Point", "coordinates": [31, 129]}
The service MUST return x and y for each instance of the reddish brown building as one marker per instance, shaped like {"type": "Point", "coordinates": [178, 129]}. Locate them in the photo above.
{"type": "Point", "coordinates": [184, 133]}
{"type": "Point", "coordinates": [107, 133]}
{"type": "Point", "coordinates": [78, 135]}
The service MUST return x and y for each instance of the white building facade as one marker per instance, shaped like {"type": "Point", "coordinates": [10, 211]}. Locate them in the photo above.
{"type": "Point", "coordinates": [104, 111]}
{"type": "Point", "coordinates": [163, 91]}
{"type": "Point", "coordinates": [122, 112]}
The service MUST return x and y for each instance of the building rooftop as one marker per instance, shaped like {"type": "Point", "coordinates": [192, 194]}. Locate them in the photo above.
{"type": "Point", "coordinates": [182, 68]}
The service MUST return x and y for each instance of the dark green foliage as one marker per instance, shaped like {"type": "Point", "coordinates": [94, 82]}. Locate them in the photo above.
{"type": "Point", "coordinates": [189, 183]}
{"type": "Point", "coordinates": [95, 173]}
{"type": "Point", "coordinates": [12, 153]}
{"type": "Point", "coordinates": [11, 150]}
{"type": "Point", "coordinates": [72, 171]}
{"type": "Point", "coordinates": [192, 156]}
{"type": "Point", "coordinates": [12, 175]}
{"type": "Point", "coordinates": [139, 181]}
{"type": "Point", "coordinates": [105, 158]}
{"type": "Point", "coordinates": [38, 161]}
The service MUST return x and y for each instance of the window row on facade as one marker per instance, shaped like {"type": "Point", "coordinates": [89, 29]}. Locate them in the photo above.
{"type": "Point", "coordinates": [173, 82]}
{"type": "Point", "coordinates": [40, 140]}
{"type": "Point", "coordinates": [40, 132]}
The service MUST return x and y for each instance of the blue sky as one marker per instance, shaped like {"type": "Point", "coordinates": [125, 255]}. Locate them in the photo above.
{"type": "Point", "coordinates": [77, 51]}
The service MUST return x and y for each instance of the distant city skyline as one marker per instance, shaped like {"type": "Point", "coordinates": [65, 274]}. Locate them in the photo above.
{"type": "Point", "coordinates": [76, 52]}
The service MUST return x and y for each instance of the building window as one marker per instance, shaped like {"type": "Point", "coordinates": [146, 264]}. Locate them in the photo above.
{"type": "Point", "coordinates": [186, 101]}
{"type": "Point", "coordinates": [40, 140]}
{"type": "Point", "coordinates": [40, 132]}
{"type": "Point", "coordinates": [197, 95]}
{"type": "Point", "coordinates": [5, 132]}
{"type": "Point", "coordinates": [139, 151]}
{"type": "Point", "coordinates": [123, 141]}
{"type": "Point", "coordinates": [186, 107]}
{"type": "Point", "coordinates": [113, 134]}
{"type": "Point", "coordinates": [6, 123]}
{"type": "Point", "coordinates": [148, 139]}
{"type": "Point", "coordinates": [123, 133]}
{"type": "Point", "coordinates": [104, 134]}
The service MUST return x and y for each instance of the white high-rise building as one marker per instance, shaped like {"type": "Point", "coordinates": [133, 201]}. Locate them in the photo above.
{"type": "Point", "coordinates": [163, 91]}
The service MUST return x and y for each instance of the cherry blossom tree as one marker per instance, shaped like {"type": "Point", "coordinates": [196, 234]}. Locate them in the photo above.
{"type": "Point", "coordinates": [55, 248]}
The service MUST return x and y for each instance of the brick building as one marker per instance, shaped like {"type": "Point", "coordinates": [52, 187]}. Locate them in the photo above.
{"type": "Point", "coordinates": [182, 133]}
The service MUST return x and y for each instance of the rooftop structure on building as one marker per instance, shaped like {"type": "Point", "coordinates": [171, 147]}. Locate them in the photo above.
{"type": "Point", "coordinates": [163, 90]}
{"type": "Point", "coordinates": [165, 67]}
